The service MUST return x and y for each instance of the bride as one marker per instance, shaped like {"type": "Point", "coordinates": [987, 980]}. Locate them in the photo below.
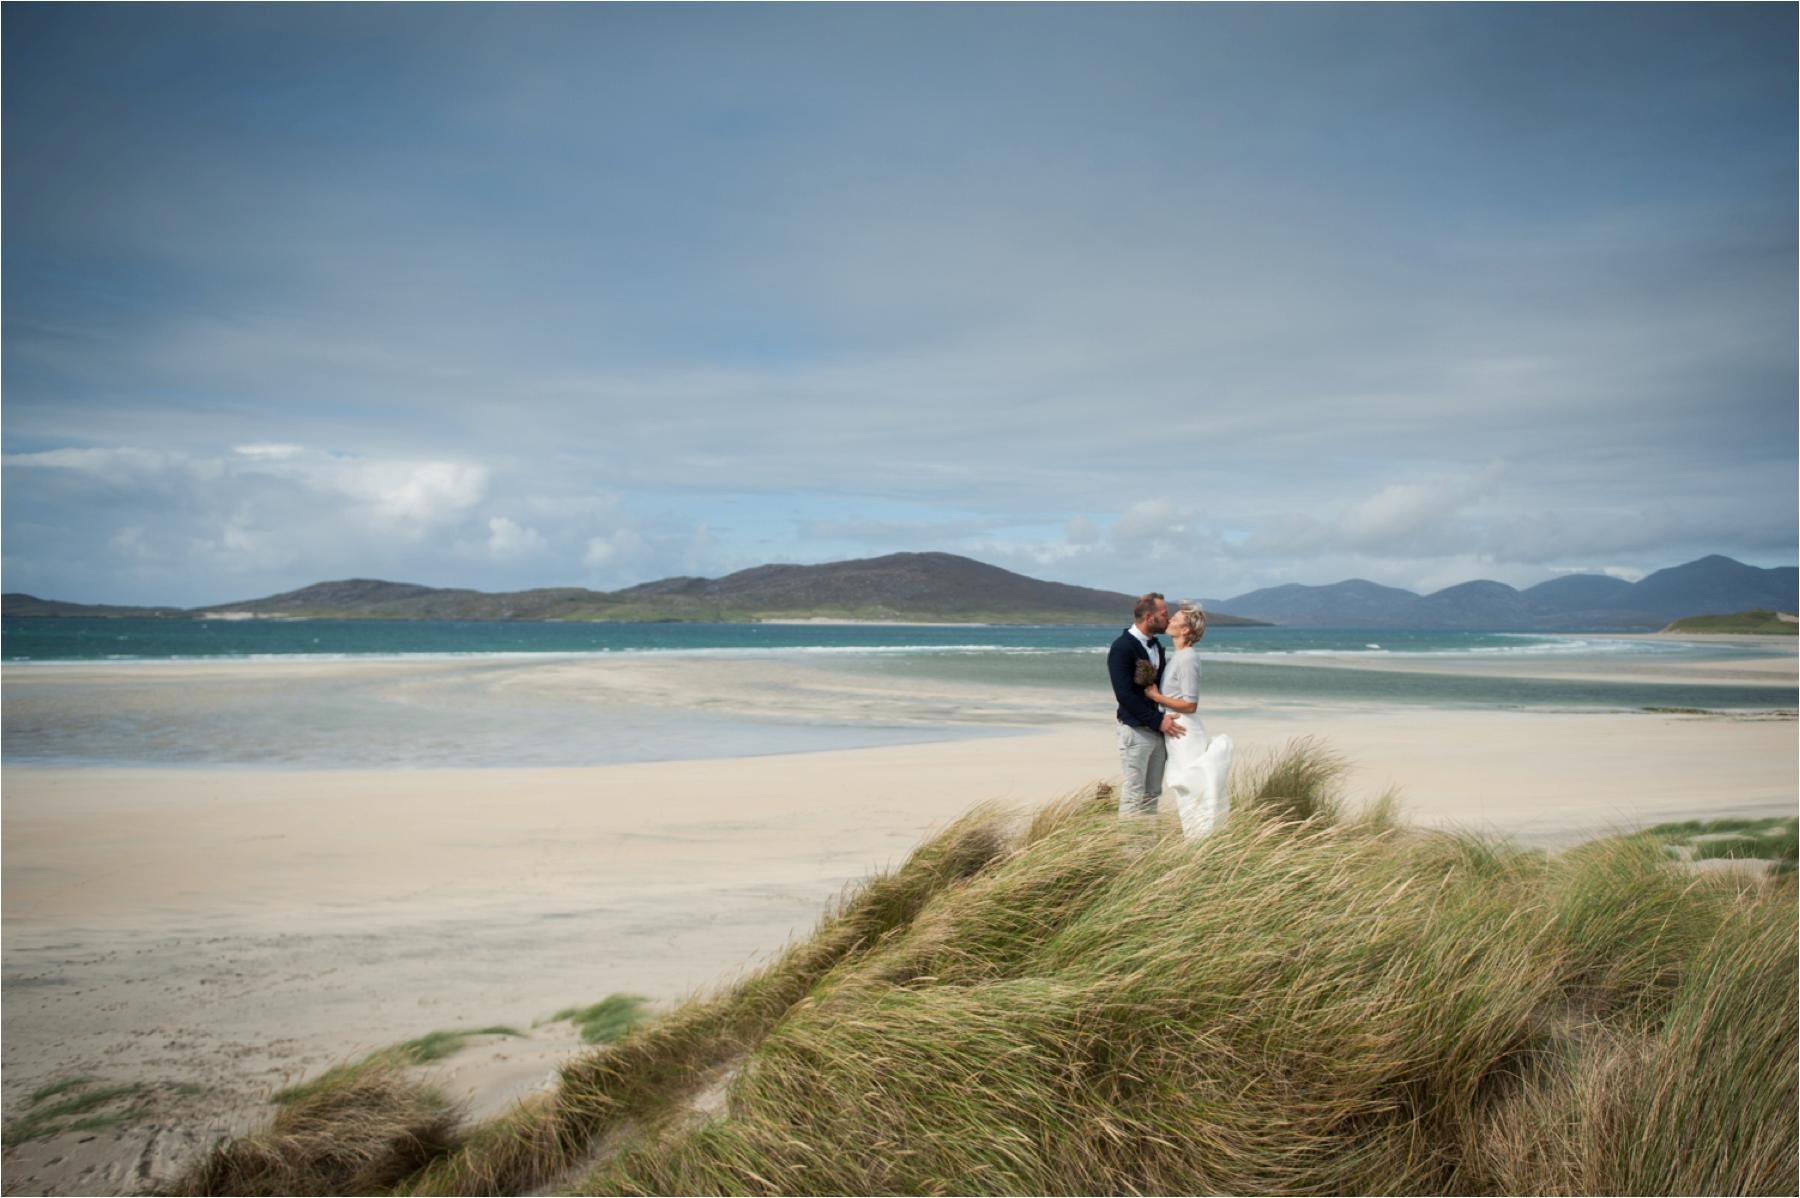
{"type": "Point", "coordinates": [1198, 766]}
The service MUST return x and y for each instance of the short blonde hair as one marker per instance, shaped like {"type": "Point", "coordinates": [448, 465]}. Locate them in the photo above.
{"type": "Point", "coordinates": [1190, 615]}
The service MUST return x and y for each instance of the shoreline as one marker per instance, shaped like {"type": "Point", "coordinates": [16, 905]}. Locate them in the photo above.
{"type": "Point", "coordinates": [835, 621]}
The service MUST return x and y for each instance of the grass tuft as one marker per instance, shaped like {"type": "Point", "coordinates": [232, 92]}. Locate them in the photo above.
{"type": "Point", "coordinates": [60, 1087]}
{"type": "Point", "coordinates": [1775, 839]}
{"type": "Point", "coordinates": [433, 1046]}
{"type": "Point", "coordinates": [1297, 785]}
{"type": "Point", "coordinates": [361, 1135]}
{"type": "Point", "coordinates": [606, 1020]}
{"type": "Point", "coordinates": [41, 1122]}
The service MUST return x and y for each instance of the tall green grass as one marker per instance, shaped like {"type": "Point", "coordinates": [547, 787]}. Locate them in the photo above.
{"type": "Point", "coordinates": [607, 1020]}
{"type": "Point", "coordinates": [1300, 1003]}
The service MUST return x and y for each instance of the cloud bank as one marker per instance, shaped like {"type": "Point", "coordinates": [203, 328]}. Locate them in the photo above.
{"type": "Point", "coordinates": [1205, 297]}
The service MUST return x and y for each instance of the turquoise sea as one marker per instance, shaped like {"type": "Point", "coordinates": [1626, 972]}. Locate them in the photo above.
{"type": "Point", "coordinates": [461, 694]}
{"type": "Point", "coordinates": [131, 640]}
{"type": "Point", "coordinates": [24, 640]}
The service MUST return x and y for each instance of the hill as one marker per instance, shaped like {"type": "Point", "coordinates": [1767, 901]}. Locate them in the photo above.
{"type": "Point", "coordinates": [1759, 623]}
{"type": "Point", "coordinates": [1353, 603]}
{"type": "Point", "coordinates": [897, 586]}
{"type": "Point", "coordinates": [922, 587]}
{"type": "Point", "coordinates": [1297, 1004]}
{"type": "Point", "coordinates": [943, 587]}
{"type": "Point", "coordinates": [17, 603]}
{"type": "Point", "coordinates": [1574, 603]}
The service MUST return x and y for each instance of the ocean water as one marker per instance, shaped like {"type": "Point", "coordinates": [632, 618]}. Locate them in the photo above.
{"type": "Point", "coordinates": [457, 694]}
{"type": "Point", "coordinates": [23, 640]}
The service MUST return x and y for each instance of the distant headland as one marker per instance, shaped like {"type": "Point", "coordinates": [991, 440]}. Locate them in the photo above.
{"type": "Point", "coordinates": [944, 588]}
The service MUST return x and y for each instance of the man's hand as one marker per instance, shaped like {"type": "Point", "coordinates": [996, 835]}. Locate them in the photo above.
{"type": "Point", "coordinates": [1171, 727]}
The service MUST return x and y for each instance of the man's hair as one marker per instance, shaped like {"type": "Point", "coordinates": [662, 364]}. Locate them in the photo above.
{"type": "Point", "coordinates": [1146, 604]}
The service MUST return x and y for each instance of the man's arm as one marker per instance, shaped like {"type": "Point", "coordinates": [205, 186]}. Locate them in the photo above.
{"type": "Point", "coordinates": [1121, 665]}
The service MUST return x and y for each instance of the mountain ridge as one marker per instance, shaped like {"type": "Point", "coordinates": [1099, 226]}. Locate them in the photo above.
{"type": "Point", "coordinates": [1572, 603]}
{"type": "Point", "coordinates": [937, 587]}
{"type": "Point", "coordinates": [899, 587]}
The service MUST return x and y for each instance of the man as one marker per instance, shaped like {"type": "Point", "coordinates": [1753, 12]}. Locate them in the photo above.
{"type": "Point", "coordinates": [1142, 724]}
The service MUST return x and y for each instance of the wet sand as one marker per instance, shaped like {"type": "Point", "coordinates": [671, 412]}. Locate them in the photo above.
{"type": "Point", "coordinates": [235, 930]}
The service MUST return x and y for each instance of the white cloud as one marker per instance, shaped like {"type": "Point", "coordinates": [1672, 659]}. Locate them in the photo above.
{"type": "Point", "coordinates": [389, 490]}
{"type": "Point", "coordinates": [611, 550]}
{"type": "Point", "coordinates": [1145, 521]}
{"type": "Point", "coordinates": [1081, 531]}
{"type": "Point", "coordinates": [1400, 514]}
{"type": "Point", "coordinates": [96, 461]}
{"type": "Point", "coordinates": [1627, 573]}
{"type": "Point", "coordinates": [507, 539]}
{"type": "Point", "coordinates": [400, 492]}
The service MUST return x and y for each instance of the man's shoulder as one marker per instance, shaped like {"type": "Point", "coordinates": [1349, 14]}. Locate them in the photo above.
{"type": "Point", "coordinates": [1125, 639]}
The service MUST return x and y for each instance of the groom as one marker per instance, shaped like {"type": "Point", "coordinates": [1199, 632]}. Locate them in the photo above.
{"type": "Point", "coordinates": [1142, 725]}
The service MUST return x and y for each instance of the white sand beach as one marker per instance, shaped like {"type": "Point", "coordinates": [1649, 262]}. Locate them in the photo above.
{"type": "Point", "coordinates": [216, 933]}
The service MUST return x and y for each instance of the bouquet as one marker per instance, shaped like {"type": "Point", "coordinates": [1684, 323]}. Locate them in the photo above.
{"type": "Point", "coordinates": [1144, 673]}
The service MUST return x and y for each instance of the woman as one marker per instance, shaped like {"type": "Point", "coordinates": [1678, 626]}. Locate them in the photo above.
{"type": "Point", "coordinates": [1198, 767]}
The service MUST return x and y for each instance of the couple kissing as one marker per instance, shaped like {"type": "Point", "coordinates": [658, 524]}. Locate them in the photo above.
{"type": "Point", "coordinates": [1162, 742]}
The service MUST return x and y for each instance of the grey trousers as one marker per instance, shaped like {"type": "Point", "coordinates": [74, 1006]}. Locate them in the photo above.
{"type": "Point", "coordinates": [1142, 753]}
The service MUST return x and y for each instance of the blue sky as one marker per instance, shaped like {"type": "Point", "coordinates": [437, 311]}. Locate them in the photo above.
{"type": "Point", "coordinates": [1203, 298]}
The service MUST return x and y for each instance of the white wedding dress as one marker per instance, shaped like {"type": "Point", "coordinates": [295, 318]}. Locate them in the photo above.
{"type": "Point", "coordinates": [1199, 766]}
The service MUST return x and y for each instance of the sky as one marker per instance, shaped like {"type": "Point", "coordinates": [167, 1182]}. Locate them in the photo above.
{"type": "Point", "coordinates": [1187, 297]}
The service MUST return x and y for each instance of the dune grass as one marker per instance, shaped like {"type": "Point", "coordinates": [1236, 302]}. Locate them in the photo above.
{"type": "Point", "coordinates": [1775, 839]}
{"type": "Point", "coordinates": [607, 1020]}
{"type": "Point", "coordinates": [1301, 1003]}
{"type": "Point", "coordinates": [364, 1134]}
{"type": "Point", "coordinates": [76, 1096]}
{"type": "Point", "coordinates": [433, 1046]}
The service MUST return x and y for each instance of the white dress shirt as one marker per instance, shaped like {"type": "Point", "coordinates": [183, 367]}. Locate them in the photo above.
{"type": "Point", "coordinates": [1151, 644]}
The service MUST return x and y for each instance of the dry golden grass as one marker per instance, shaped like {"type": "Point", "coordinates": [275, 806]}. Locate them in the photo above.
{"type": "Point", "coordinates": [1296, 1004]}
{"type": "Point", "coordinates": [362, 1135]}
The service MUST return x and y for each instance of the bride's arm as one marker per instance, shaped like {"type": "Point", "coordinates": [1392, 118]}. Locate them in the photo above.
{"type": "Point", "coordinates": [1184, 706]}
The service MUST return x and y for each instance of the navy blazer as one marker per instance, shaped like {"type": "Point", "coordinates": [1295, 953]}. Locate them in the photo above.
{"type": "Point", "coordinates": [1121, 665]}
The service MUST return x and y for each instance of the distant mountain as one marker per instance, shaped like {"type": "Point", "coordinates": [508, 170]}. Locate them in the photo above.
{"type": "Point", "coordinates": [1573, 592]}
{"type": "Point", "coordinates": [17, 603]}
{"type": "Point", "coordinates": [925, 587]}
{"type": "Point", "coordinates": [1714, 584]}
{"type": "Point", "coordinates": [942, 587]}
{"type": "Point", "coordinates": [1574, 603]}
{"type": "Point", "coordinates": [944, 584]}
{"type": "Point", "coordinates": [1354, 603]}
{"type": "Point", "coordinates": [1483, 603]}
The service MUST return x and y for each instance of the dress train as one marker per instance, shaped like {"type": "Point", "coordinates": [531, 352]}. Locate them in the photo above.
{"type": "Point", "coordinates": [1198, 772]}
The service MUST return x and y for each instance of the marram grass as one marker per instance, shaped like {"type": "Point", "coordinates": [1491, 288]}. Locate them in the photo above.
{"type": "Point", "coordinates": [1298, 1004]}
